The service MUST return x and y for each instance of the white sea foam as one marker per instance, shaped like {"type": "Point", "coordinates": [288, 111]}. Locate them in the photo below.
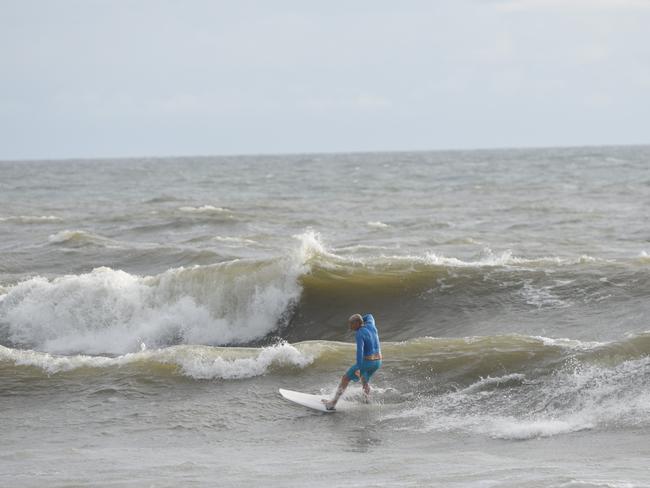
{"type": "Point", "coordinates": [311, 247]}
{"type": "Point", "coordinates": [569, 400]}
{"type": "Point", "coordinates": [505, 258]}
{"type": "Point", "coordinates": [31, 219]}
{"type": "Point", "coordinates": [566, 343]}
{"type": "Point", "coordinates": [201, 367]}
{"type": "Point", "coordinates": [377, 225]}
{"type": "Point", "coordinates": [234, 241]}
{"type": "Point", "coordinates": [585, 258]}
{"type": "Point", "coordinates": [204, 209]}
{"type": "Point", "coordinates": [521, 429]}
{"type": "Point", "coordinates": [52, 364]}
{"type": "Point", "coordinates": [490, 381]}
{"type": "Point", "coordinates": [112, 311]}
{"type": "Point", "coordinates": [488, 259]}
{"type": "Point", "coordinates": [541, 297]}
{"type": "Point", "coordinates": [364, 247]}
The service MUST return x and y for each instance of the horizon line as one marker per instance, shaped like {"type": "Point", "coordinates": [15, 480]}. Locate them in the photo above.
{"type": "Point", "coordinates": [319, 153]}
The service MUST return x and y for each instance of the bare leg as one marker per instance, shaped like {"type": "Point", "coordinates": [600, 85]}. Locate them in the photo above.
{"type": "Point", "coordinates": [345, 381]}
{"type": "Point", "coordinates": [366, 390]}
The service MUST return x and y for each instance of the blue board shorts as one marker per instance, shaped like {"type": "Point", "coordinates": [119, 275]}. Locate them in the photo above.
{"type": "Point", "coordinates": [366, 370]}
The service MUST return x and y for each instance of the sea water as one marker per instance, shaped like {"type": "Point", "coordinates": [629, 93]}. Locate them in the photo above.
{"type": "Point", "coordinates": [151, 308]}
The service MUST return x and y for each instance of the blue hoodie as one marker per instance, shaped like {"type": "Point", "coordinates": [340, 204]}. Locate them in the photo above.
{"type": "Point", "coordinates": [367, 339]}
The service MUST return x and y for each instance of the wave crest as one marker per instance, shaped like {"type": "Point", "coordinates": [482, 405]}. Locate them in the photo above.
{"type": "Point", "coordinates": [80, 238]}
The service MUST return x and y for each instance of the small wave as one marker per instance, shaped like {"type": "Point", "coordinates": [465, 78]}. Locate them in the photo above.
{"type": "Point", "coordinates": [79, 238]}
{"type": "Point", "coordinates": [161, 199]}
{"type": "Point", "coordinates": [201, 367]}
{"type": "Point", "coordinates": [52, 364]}
{"type": "Point", "coordinates": [644, 258]}
{"type": "Point", "coordinates": [196, 362]}
{"type": "Point", "coordinates": [463, 240]}
{"type": "Point", "coordinates": [235, 241]}
{"type": "Point", "coordinates": [32, 219]}
{"type": "Point", "coordinates": [584, 258]}
{"type": "Point", "coordinates": [497, 381]}
{"type": "Point", "coordinates": [377, 225]}
{"type": "Point", "coordinates": [205, 209]}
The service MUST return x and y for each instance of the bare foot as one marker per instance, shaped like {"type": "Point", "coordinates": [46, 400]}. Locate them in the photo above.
{"type": "Point", "coordinates": [329, 404]}
{"type": "Point", "coordinates": [366, 393]}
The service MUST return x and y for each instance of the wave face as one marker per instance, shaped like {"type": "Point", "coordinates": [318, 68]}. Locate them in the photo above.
{"type": "Point", "coordinates": [433, 295]}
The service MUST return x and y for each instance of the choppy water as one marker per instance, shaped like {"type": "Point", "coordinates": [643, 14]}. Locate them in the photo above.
{"type": "Point", "coordinates": [150, 310]}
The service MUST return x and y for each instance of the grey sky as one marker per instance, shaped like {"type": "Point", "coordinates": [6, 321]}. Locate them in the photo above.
{"type": "Point", "coordinates": [133, 78]}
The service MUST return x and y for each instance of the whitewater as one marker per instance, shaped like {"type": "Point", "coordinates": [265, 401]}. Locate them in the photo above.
{"type": "Point", "coordinates": [151, 308]}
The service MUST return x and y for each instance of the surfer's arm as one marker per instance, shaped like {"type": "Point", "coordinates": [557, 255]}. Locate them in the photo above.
{"type": "Point", "coordinates": [359, 349]}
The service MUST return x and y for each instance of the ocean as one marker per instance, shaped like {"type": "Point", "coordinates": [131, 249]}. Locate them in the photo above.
{"type": "Point", "coordinates": [151, 308]}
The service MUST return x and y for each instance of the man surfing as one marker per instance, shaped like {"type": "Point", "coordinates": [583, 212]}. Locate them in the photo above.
{"type": "Point", "coordinates": [368, 357]}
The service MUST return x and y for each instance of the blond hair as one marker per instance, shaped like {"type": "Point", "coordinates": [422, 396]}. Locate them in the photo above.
{"type": "Point", "coordinates": [355, 319]}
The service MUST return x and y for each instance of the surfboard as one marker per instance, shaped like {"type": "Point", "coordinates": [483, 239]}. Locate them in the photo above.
{"type": "Point", "coordinates": [306, 400]}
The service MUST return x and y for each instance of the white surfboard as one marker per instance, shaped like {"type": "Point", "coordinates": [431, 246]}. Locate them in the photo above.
{"type": "Point", "coordinates": [306, 400]}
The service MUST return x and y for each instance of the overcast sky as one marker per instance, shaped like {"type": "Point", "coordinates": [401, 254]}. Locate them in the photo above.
{"type": "Point", "coordinates": [153, 77]}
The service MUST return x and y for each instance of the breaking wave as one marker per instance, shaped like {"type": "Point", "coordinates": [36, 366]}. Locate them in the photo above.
{"type": "Point", "coordinates": [251, 302]}
{"type": "Point", "coordinates": [112, 311]}
{"type": "Point", "coordinates": [576, 396]}
{"type": "Point", "coordinates": [564, 386]}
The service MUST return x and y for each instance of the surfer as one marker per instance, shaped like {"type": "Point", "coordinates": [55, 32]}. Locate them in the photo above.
{"type": "Point", "coordinates": [368, 357]}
